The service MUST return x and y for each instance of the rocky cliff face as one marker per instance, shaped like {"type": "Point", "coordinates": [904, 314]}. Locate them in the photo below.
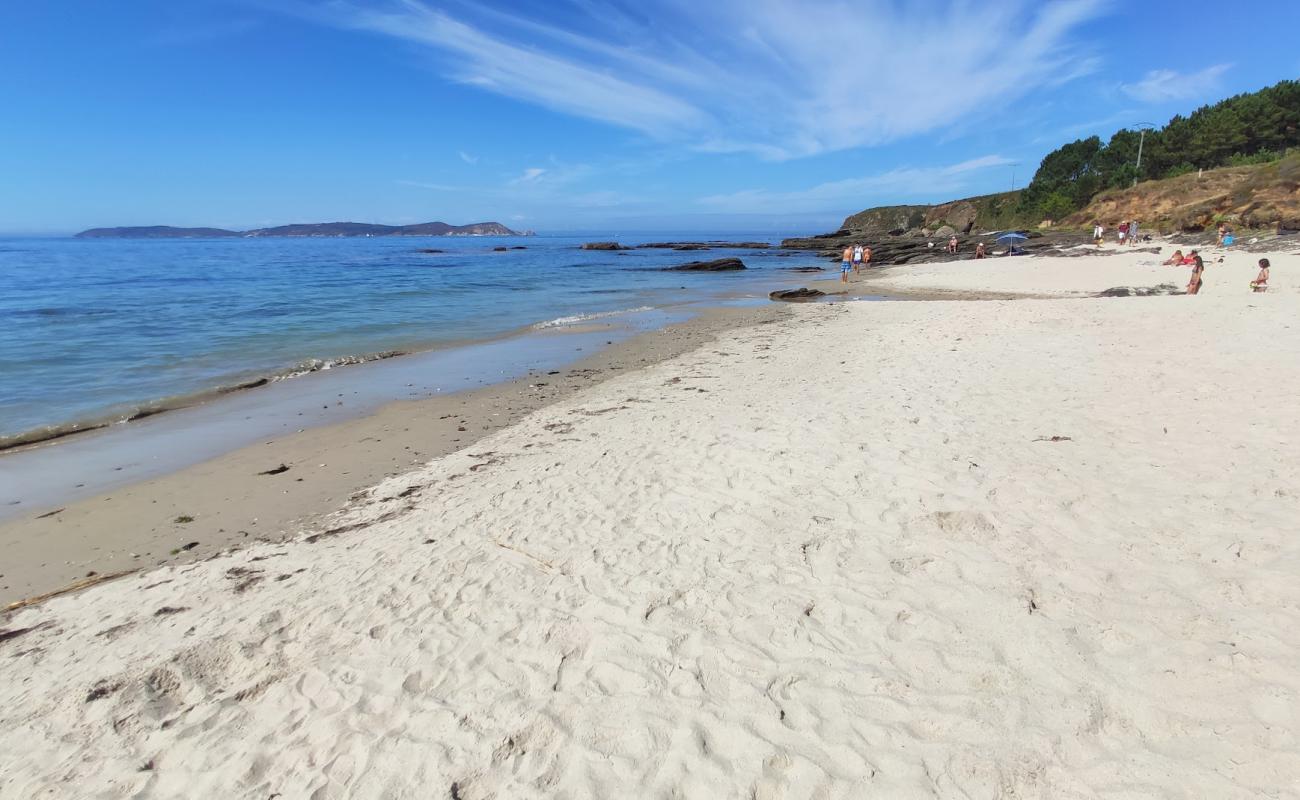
{"type": "Point", "coordinates": [967, 216]}
{"type": "Point", "coordinates": [1259, 197]}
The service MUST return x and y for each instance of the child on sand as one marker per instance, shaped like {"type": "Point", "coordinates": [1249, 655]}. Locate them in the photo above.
{"type": "Point", "coordinates": [1260, 284]}
{"type": "Point", "coordinates": [1194, 285]}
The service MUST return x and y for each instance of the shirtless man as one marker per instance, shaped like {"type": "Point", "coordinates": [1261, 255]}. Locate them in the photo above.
{"type": "Point", "coordinates": [845, 263]}
{"type": "Point", "coordinates": [952, 245]}
{"type": "Point", "coordinates": [866, 255]}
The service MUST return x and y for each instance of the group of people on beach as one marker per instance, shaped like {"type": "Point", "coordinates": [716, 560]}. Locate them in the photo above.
{"type": "Point", "coordinates": [855, 257]}
{"type": "Point", "coordinates": [1126, 232]}
{"type": "Point", "coordinates": [1194, 260]}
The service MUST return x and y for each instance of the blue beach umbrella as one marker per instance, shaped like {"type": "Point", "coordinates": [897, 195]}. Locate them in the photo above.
{"type": "Point", "coordinates": [1012, 238]}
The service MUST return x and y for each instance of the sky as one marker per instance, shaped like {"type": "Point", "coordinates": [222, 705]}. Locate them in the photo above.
{"type": "Point", "coordinates": [578, 115]}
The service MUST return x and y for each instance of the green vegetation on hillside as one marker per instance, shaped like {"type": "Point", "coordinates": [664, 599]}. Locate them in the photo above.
{"type": "Point", "coordinates": [1246, 129]}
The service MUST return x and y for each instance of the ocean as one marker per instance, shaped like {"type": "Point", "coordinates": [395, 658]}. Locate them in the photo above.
{"type": "Point", "coordinates": [95, 331]}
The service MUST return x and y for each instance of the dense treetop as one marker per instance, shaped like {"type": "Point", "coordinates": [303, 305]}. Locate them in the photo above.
{"type": "Point", "coordinates": [1248, 128]}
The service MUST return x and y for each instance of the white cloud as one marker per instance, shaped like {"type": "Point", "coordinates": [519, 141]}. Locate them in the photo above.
{"type": "Point", "coordinates": [530, 175]}
{"type": "Point", "coordinates": [467, 158]}
{"type": "Point", "coordinates": [764, 76]}
{"type": "Point", "coordinates": [1164, 85]}
{"type": "Point", "coordinates": [857, 192]}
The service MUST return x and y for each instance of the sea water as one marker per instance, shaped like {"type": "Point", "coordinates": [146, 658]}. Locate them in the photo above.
{"type": "Point", "coordinates": [95, 330]}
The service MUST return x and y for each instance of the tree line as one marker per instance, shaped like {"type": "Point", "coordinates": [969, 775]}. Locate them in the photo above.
{"type": "Point", "coordinates": [1245, 129]}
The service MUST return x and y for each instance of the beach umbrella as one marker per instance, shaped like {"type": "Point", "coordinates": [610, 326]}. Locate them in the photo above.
{"type": "Point", "coordinates": [1012, 238]}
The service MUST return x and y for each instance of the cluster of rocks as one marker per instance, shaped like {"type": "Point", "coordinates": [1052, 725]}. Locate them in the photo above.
{"type": "Point", "coordinates": [718, 265]}
{"type": "Point", "coordinates": [911, 247]}
{"type": "Point", "coordinates": [679, 246]}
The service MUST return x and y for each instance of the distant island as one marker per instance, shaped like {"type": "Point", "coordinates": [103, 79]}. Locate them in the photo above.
{"type": "Point", "coordinates": [313, 229]}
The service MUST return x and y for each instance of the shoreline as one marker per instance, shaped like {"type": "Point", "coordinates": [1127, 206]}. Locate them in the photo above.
{"type": "Point", "coordinates": [133, 525]}
{"type": "Point", "coordinates": [133, 411]}
{"type": "Point", "coordinates": [895, 549]}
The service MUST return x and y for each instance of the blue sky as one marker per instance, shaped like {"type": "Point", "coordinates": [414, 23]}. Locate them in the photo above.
{"type": "Point", "coordinates": [725, 115]}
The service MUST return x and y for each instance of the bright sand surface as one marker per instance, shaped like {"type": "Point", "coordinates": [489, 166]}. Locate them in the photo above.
{"type": "Point", "coordinates": [1027, 548]}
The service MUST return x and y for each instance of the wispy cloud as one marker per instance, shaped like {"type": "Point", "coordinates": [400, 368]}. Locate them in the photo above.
{"type": "Point", "coordinates": [530, 175]}
{"type": "Point", "coordinates": [467, 158]}
{"type": "Point", "coordinates": [1164, 85]}
{"type": "Point", "coordinates": [859, 192]}
{"type": "Point", "coordinates": [788, 80]}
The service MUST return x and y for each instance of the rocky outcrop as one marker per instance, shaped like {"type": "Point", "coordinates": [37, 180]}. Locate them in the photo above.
{"type": "Point", "coordinates": [719, 265]}
{"type": "Point", "coordinates": [890, 250]}
{"type": "Point", "coordinates": [967, 216]}
{"type": "Point", "coordinates": [704, 245]}
{"type": "Point", "coordinates": [796, 295]}
{"type": "Point", "coordinates": [1254, 197]}
{"type": "Point", "coordinates": [604, 246]}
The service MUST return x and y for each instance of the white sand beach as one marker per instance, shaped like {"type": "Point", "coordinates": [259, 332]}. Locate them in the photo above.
{"type": "Point", "coordinates": [1037, 548]}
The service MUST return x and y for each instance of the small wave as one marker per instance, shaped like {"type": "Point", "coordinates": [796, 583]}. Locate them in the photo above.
{"type": "Point", "coordinates": [560, 322]}
{"type": "Point", "coordinates": [322, 364]}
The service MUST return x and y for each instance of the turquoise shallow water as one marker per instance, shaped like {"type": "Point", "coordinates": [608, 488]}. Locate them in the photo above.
{"type": "Point", "coordinates": [94, 329]}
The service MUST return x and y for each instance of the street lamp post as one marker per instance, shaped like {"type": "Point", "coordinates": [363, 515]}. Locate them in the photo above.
{"type": "Point", "coordinates": [1142, 137]}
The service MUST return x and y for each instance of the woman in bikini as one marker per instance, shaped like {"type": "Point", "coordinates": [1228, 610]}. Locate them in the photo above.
{"type": "Point", "coordinates": [1194, 285]}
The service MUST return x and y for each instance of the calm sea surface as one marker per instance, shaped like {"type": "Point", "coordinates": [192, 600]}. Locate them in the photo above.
{"type": "Point", "coordinates": [90, 329]}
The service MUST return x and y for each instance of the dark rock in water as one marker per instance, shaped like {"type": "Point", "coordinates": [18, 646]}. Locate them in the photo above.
{"type": "Point", "coordinates": [1141, 291]}
{"type": "Point", "coordinates": [519, 247]}
{"type": "Point", "coordinates": [430, 250]}
{"type": "Point", "coordinates": [704, 245]}
{"type": "Point", "coordinates": [500, 249]}
{"type": "Point", "coordinates": [805, 269]}
{"type": "Point", "coordinates": [719, 265]}
{"type": "Point", "coordinates": [796, 294]}
{"type": "Point", "coordinates": [604, 246]}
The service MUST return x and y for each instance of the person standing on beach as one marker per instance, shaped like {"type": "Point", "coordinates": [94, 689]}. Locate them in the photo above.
{"type": "Point", "coordinates": [857, 259]}
{"type": "Point", "coordinates": [1097, 232]}
{"type": "Point", "coordinates": [1133, 232]}
{"type": "Point", "coordinates": [1123, 232]}
{"type": "Point", "coordinates": [1194, 285]}
{"type": "Point", "coordinates": [952, 244]}
{"type": "Point", "coordinates": [847, 261]}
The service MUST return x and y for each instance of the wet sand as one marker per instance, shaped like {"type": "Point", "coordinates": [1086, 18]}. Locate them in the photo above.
{"type": "Point", "coordinates": [228, 501]}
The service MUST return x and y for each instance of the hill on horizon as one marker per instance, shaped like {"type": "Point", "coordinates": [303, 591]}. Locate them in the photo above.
{"type": "Point", "coordinates": [332, 229]}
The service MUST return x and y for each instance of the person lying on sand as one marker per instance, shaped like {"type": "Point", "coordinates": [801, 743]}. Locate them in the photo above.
{"type": "Point", "coordinates": [1176, 260]}
{"type": "Point", "coordinates": [1194, 285]}
{"type": "Point", "coordinates": [1260, 284]}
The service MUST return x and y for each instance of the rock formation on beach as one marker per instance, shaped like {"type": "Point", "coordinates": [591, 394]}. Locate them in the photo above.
{"type": "Point", "coordinates": [604, 246]}
{"type": "Point", "coordinates": [719, 265]}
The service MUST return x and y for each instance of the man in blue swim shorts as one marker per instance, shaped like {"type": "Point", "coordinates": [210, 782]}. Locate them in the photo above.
{"type": "Point", "coordinates": [846, 264]}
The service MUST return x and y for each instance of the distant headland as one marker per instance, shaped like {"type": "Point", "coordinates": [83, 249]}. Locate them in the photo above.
{"type": "Point", "coordinates": [313, 229]}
